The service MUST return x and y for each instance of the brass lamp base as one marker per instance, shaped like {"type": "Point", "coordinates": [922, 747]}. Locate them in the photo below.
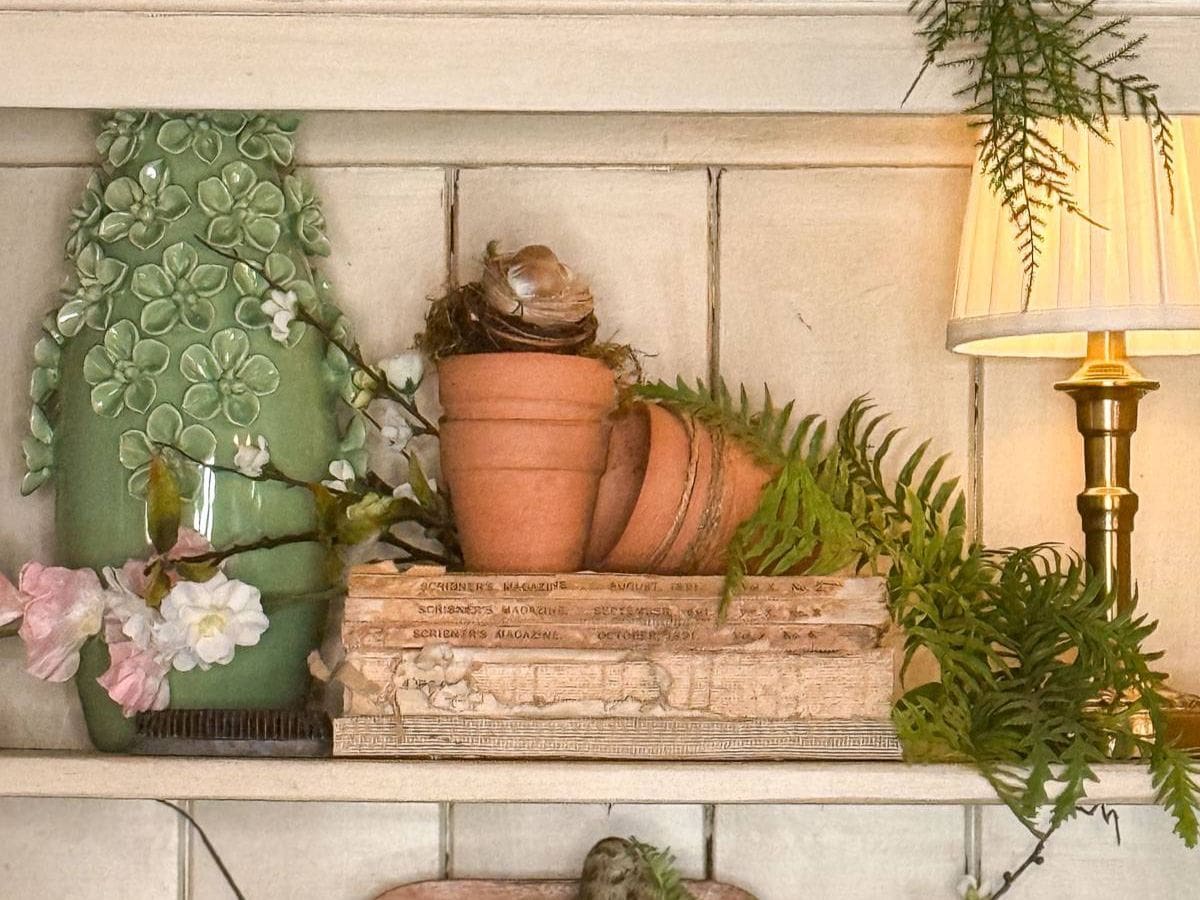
{"type": "Point", "coordinates": [1106, 390]}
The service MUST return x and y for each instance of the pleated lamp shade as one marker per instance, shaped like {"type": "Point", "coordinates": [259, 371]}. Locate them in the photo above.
{"type": "Point", "coordinates": [1140, 273]}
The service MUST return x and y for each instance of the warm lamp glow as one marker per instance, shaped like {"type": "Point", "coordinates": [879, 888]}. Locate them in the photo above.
{"type": "Point", "coordinates": [1139, 274]}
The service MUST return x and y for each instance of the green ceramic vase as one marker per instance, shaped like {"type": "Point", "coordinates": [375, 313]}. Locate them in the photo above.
{"type": "Point", "coordinates": [162, 340]}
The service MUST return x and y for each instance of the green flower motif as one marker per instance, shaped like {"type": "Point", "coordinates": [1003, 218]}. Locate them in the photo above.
{"type": "Point", "coordinates": [38, 447]}
{"type": "Point", "coordinates": [307, 220]}
{"type": "Point", "coordinates": [266, 136]}
{"type": "Point", "coordinates": [47, 357]}
{"type": "Point", "coordinates": [240, 208]}
{"type": "Point", "coordinates": [141, 209]}
{"type": "Point", "coordinates": [164, 426]}
{"type": "Point", "coordinates": [226, 378]}
{"type": "Point", "coordinates": [200, 132]}
{"type": "Point", "coordinates": [85, 218]}
{"type": "Point", "coordinates": [353, 445]}
{"type": "Point", "coordinates": [121, 370]}
{"type": "Point", "coordinates": [253, 289]}
{"type": "Point", "coordinates": [121, 136]}
{"type": "Point", "coordinates": [178, 290]}
{"type": "Point", "coordinates": [88, 298]}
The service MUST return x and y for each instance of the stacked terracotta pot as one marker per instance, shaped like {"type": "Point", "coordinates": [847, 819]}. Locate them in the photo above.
{"type": "Point", "coordinates": [544, 477]}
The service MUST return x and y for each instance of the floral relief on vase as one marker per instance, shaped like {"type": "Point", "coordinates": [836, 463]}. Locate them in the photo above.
{"type": "Point", "coordinates": [202, 133]}
{"type": "Point", "coordinates": [183, 448]}
{"type": "Point", "coordinates": [142, 209]}
{"type": "Point", "coordinates": [178, 291]}
{"type": "Point", "coordinates": [241, 209]}
{"type": "Point", "coordinates": [122, 370]}
{"type": "Point", "coordinates": [226, 378]}
{"type": "Point", "coordinates": [88, 298]}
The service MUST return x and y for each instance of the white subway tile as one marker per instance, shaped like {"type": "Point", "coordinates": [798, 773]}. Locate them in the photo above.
{"type": "Point", "coordinates": [70, 849]}
{"type": "Point", "coordinates": [540, 840]}
{"type": "Point", "coordinates": [838, 282]}
{"type": "Point", "coordinates": [1083, 859]}
{"type": "Point", "coordinates": [843, 852]}
{"type": "Point", "coordinates": [326, 850]}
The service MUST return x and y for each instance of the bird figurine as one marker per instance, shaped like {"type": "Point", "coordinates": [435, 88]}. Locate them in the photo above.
{"type": "Point", "coordinates": [620, 869]}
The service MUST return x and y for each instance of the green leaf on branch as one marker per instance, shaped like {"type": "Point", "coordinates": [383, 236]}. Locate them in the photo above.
{"type": "Point", "coordinates": [366, 518]}
{"type": "Point", "coordinates": [164, 505]}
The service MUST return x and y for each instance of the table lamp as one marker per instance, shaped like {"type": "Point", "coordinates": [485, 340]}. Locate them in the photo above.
{"type": "Point", "coordinates": [1126, 286]}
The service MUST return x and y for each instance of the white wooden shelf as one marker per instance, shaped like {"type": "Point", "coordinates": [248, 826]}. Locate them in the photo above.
{"type": "Point", "coordinates": [52, 774]}
{"type": "Point", "coordinates": [514, 55]}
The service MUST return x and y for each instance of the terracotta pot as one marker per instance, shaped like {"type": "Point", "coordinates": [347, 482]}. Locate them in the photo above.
{"type": "Point", "coordinates": [696, 488]}
{"type": "Point", "coordinates": [523, 442]}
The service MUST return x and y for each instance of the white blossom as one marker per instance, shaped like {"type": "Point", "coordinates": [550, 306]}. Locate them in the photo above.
{"type": "Point", "coordinates": [251, 456]}
{"type": "Point", "coordinates": [205, 621]}
{"type": "Point", "coordinates": [397, 435]}
{"type": "Point", "coordinates": [341, 472]}
{"type": "Point", "coordinates": [406, 492]}
{"type": "Point", "coordinates": [404, 371]}
{"type": "Point", "coordinates": [280, 308]}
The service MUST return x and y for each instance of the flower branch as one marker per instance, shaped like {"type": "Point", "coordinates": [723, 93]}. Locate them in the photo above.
{"type": "Point", "coordinates": [383, 385]}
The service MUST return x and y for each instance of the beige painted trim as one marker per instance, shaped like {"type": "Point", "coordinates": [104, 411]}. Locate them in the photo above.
{"type": "Point", "coordinates": [820, 60]}
{"type": "Point", "coordinates": [557, 7]}
{"type": "Point", "coordinates": [33, 774]}
{"type": "Point", "coordinates": [66, 137]}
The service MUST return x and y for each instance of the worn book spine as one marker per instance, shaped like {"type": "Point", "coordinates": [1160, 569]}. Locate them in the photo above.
{"type": "Point", "coordinates": [728, 684]}
{"type": "Point", "coordinates": [618, 608]}
{"type": "Point", "coordinates": [530, 633]}
{"type": "Point", "coordinates": [381, 582]}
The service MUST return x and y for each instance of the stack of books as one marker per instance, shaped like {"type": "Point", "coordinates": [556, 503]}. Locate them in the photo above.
{"type": "Point", "coordinates": [606, 666]}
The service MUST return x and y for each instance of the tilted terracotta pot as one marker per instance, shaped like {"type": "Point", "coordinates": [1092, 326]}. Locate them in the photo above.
{"type": "Point", "coordinates": [693, 488]}
{"type": "Point", "coordinates": [524, 438]}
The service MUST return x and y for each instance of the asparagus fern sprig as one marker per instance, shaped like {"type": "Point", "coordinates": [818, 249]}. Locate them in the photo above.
{"type": "Point", "coordinates": [1026, 62]}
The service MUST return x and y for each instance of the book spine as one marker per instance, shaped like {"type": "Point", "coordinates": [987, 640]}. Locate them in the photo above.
{"type": "Point", "coordinates": [556, 683]}
{"type": "Point", "coordinates": [371, 584]}
{"type": "Point", "coordinates": [381, 636]}
{"type": "Point", "coordinates": [616, 610]}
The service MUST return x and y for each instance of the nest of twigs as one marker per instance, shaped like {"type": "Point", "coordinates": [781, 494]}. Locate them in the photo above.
{"type": "Point", "coordinates": [526, 301]}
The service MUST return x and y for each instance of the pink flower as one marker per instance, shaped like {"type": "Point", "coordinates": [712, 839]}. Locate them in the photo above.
{"type": "Point", "coordinates": [12, 602]}
{"type": "Point", "coordinates": [136, 679]}
{"type": "Point", "coordinates": [64, 608]}
{"type": "Point", "coordinates": [189, 543]}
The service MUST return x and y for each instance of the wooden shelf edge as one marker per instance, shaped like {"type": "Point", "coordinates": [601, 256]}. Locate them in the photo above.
{"type": "Point", "coordinates": [802, 58]}
{"type": "Point", "coordinates": [90, 775]}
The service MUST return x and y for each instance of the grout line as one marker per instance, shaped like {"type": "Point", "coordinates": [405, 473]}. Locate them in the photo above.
{"type": "Point", "coordinates": [975, 453]}
{"type": "Point", "coordinates": [446, 841]}
{"type": "Point", "coordinates": [714, 274]}
{"type": "Point", "coordinates": [450, 211]}
{"type": "Point", "coordinates": [184, 852]}
{"type": "Point", "coordinates": [710, 839]}
{"type": "Point", "coordinates": [975, 845]}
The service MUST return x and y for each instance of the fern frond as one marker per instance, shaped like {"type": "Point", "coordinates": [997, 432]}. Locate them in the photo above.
{"type": "Point", "coordinates": [659, 865]}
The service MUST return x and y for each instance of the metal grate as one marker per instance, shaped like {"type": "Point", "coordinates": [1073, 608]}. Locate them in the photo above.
{"type": "Point", "coordinates": [233, 732]}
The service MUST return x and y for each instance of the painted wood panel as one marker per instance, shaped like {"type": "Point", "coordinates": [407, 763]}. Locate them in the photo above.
{"type": "Point", "coordinates": [836, 283]}
{"type": "Point", "coordinates": [62, 137]}
{"type": "Point", "coordinates": [1085, 860]}
{"type": "Point", "coordinates": [898, 852]}
{"type": "Point", "coordinates": [335, 851]}
{"type": "Point", "coordinates": [93, 849]}
{"type": "Point", "coordinates": [806, 57]}
{"type": "Point", "coordinates": [537, 840]}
